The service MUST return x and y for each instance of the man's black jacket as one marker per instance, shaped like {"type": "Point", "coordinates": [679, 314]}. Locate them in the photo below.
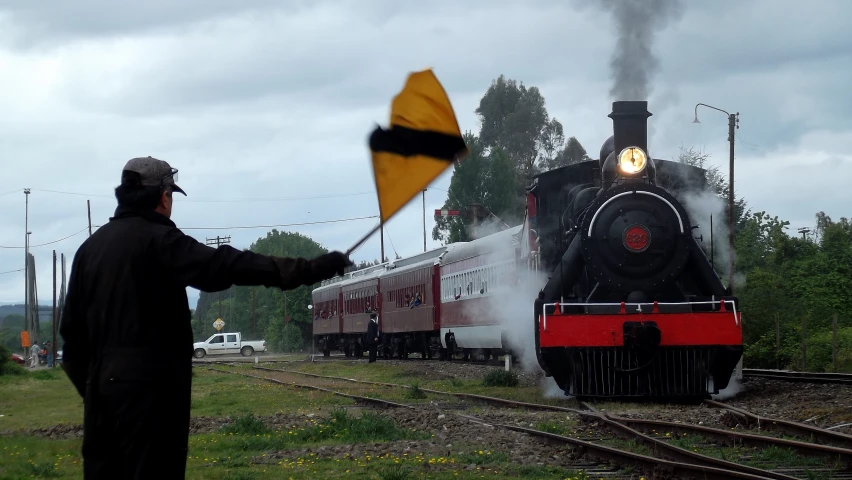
{"type": "Point", "coordinates": [372, 332]}
{"type": "Point", "coordinates": [126, 313]}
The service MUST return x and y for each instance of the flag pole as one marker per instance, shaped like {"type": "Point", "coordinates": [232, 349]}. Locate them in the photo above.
{"type": "Point", "coordinates": [364, 239]}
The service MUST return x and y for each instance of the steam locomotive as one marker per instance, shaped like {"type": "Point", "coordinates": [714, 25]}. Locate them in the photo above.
{"type": "Point", "coordinates": [627, 305]}
{"type": "Point", "coordinates": [633, 307]}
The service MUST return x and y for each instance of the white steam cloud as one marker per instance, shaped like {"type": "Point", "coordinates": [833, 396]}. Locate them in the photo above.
{"type": "Point", "coordinates": [488, 226]}
{"type": "Point", "coordinates": [701, 206]}
{"type": "Point", "coordinates": [734, 387]}
{"type": "Point", "coordinates": [551, 389]}
{"type": "Point", "coordinates": [511, 301]}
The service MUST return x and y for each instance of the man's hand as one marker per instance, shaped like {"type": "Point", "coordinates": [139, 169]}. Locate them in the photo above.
{"type": "Point", "coordinates": [330, 264]}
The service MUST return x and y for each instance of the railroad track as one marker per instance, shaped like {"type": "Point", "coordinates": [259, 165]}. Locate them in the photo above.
{"type": "Point", "coordinates": [333, 358]}
{"type": "Point", "coordinates": [339, 357]}
{"type": "Point", "coordinates": [675, 460]}
{"type": "Point", "coordinates": [784, 375]}
{"type": "Point", "coordinates": [792, 376]}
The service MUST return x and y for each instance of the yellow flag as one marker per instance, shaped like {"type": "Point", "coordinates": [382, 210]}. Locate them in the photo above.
{"type": "Point", "coordinates": [423, 140]}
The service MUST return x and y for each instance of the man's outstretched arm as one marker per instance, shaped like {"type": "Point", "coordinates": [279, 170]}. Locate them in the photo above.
{"type": "Point", "coordinates": [214, 269]}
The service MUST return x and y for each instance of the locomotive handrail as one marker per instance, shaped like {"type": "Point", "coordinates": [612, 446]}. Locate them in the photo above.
{"type": "Point", "coordinates": [641, 192]}
{"type": "Point", "coordinates": [639, 304]}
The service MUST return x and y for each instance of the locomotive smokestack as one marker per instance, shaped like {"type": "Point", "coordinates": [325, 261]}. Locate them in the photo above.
{"type": "Point", "coordinates": [630, 125]}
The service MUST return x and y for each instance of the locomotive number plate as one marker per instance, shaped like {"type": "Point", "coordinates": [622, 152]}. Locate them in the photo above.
{"type": "Point", "coordinates": [636, 238]}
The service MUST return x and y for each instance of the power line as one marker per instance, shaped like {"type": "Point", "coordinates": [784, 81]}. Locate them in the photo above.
{"type": "Point", "coordinates": [227, 200]}
{"type": "Point", "coordinates": [12, 271]}
{"type": "Point", "coordinates": [52, 242]}
{"type": "Point", "coordinates": [282, 224]}
{"type": "Point", "coordinates": [240, 227]}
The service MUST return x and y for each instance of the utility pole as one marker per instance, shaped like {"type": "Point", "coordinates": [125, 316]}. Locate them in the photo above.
{"type": "Point", "coordinates": [218, 241]}
{"type": "Point", "coordinates": [733, 125]}
{"type": "Point", "coordinates": [382, 260]}
{"type": "Point", "coordinates": [424, 220]}
{"type": "Point", "coordinates": [89, 208]}
{"type": "Point", "coordinates": [55, 316]}
{"type": "Point", "coordinates": [804, 231]}
{"type": "Point", "coordinates": [253, 325]}
{"type": "Point", "coordinates": [27, 259]}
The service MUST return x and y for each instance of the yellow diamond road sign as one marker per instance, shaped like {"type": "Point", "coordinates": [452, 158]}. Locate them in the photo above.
{"type": "Point", "coordinates": [218, 324]}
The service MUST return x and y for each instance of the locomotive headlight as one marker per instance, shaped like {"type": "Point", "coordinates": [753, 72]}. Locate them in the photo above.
{"type": "Point", "coordinates": [632, 160]}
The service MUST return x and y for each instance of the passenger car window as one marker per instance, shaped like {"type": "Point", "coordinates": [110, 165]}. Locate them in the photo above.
{"type": "Point", "coordinates": [232, 338]}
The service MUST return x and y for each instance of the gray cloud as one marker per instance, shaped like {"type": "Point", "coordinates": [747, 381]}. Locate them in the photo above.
{"type": "Point", "coordinates": [277, 101]}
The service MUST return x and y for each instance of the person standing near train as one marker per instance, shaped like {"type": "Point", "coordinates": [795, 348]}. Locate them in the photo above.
{"type": "Point", "coordinates": [373, 336]}
{"type": "Point", "coordinates": [126, 310]}
{"type": "Point", "coordinates": [35, 349]}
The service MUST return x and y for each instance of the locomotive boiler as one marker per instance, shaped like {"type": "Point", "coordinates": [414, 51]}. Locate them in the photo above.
{"type": "Point", "coordinates": [632, 306]}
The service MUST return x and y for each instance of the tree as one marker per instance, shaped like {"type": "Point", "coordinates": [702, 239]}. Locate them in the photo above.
{"type": "Point", "coordinates": [517, 140]}
{"type": "Point", "coordinates": [788, 278]}
{"type": "Point", "coordinates": [292, 338]}
{"type": "Point", "coordinates": [552, 140]}
{"type": "Point", "coordinates": [10, 333]}
{"type": "Point", "coordinates": [466, 187]}
{"type": "Point", "coordinates": [498, 187]}
{"type": "Point", "coordinates": [573, 153]}
{"type": "Point", "coordinates": [514, 118]}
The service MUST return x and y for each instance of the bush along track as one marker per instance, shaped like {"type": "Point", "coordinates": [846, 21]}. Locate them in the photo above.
{"type": "Point", "coordinates": [675, 458]}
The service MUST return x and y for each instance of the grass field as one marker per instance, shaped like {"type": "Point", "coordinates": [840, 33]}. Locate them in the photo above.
{"type": "Point", "coordinates": [245, 449]}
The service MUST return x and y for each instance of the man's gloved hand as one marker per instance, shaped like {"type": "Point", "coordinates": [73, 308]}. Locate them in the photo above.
{"type": "Point", "coordinates": [329, 265]}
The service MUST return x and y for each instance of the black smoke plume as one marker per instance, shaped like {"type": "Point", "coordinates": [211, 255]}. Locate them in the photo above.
{"type": "Point", "coordinates": [636, 22]}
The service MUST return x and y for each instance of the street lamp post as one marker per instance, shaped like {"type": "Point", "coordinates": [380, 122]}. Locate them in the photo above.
{"type": "Point", "coordinates": [26, 259]}
{"type": "Point", "coordinates": [733, 124]}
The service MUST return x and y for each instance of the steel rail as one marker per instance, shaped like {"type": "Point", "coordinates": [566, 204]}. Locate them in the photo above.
{"type": "Point", "coordinates": [674, 469]}
{"type": "Point", "coordinates": [457, 361]}
{"type": "Point", "coordinates": [483, 398]}
{"type": "Point", "coordinates": [357, 398]}
{"type": "Point", "coordinates": [620, 426]}
{"type": "Point", "coordinates": [732, 437]}
{"type": "Point", "coordinates": [793, 376]}
{"type": "Point", "coordinates": [678, 468]}
{"type": "Point", "coordinates": [787, 426]}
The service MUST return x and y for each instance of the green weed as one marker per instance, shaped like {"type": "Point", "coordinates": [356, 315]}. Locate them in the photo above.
{"type": "Point", "coordinates": [482, 457]}
{"type": "Point", "coordinates": [43, 470]}
{"type": "Point", "coordinates": [415, 391]}
{"type": "Point", "coordinates": [246, 424]}
{"type": "Point", "coordinates": [394, 472]}
{"type": "Point", "coordinates": [500, 378]}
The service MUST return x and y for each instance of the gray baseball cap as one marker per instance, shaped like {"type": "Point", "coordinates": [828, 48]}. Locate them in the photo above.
{"type": "Point", "coordinates": [154, 172]}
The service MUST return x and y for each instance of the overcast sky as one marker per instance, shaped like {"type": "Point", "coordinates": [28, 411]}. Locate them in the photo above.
{"type": "Point", "coordinates": [273, 104]}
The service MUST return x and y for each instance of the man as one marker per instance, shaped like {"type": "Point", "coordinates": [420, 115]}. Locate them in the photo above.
{"type": "Point", "coordinates": [35, 349]}
{"type": "Point", "coordinates": [48, 352]}
{"type": "Point", "coordinates": [126, 324]}
{"type": "Point", "coordinates": [373, 336]}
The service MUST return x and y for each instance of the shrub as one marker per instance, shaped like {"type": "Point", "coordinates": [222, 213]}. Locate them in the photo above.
{"type": "Point", "coordinates": [7, 365]}
{"type": "Point", "coordinates": [292, 338]}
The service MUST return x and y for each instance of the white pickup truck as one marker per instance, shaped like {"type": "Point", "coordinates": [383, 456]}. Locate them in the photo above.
{"type": "Point", "coordinates": [227, 343]}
